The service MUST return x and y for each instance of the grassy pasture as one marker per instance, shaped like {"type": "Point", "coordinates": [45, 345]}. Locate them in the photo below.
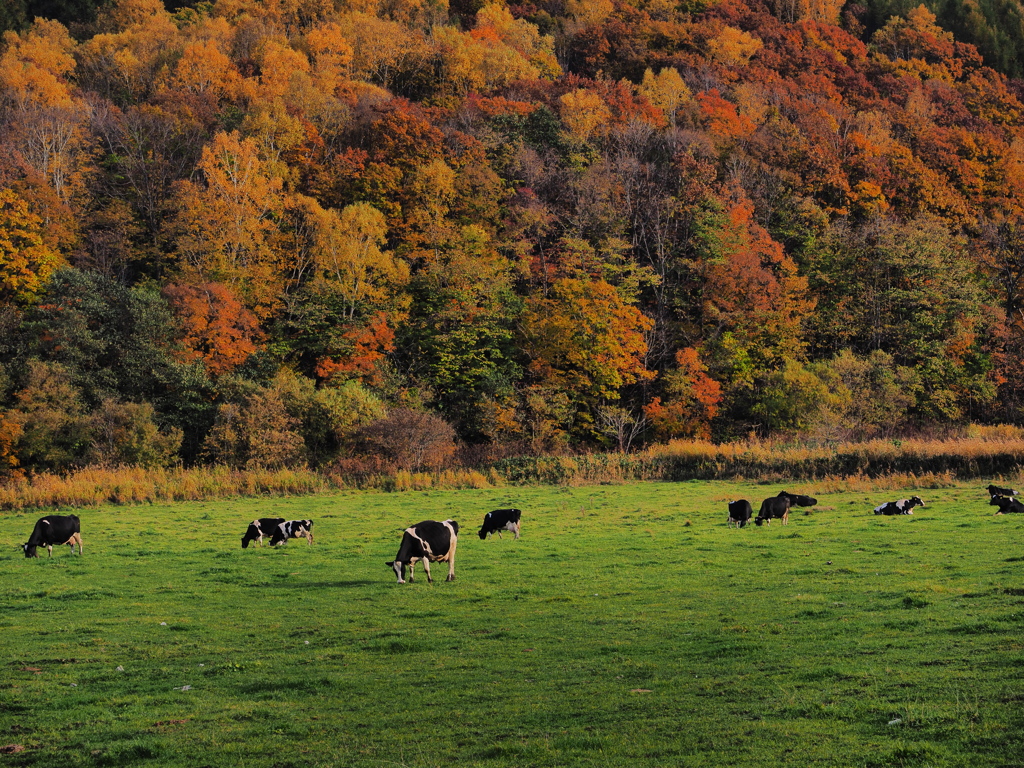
{"type": "Point", "coordinates": [628, 627]}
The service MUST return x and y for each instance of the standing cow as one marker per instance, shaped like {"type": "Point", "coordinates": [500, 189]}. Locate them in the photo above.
{"type": "Point", "coordinates": [775, 507]}
{"type": "Point", "coordinates": [740, 513]}
{"type": "Point", "coordinates": [54, 529]}
{"type": "Point", "coordinates": [430, 542]}
{"type": "Point", "coordinates": [257, 529]}
{"type": "Point", "coordinates": [292, 529]}
{"type": "Point", "coordinates": [501, 520]}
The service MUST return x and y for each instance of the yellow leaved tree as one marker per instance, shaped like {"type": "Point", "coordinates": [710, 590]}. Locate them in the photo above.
{"type": "Point", "coordinates": [47, 125]}
{"type": "Point", "coordinates": [666, 90]}
{"type": "Point", "coordinates": [225, 223]}
{"type": "Point", "coordinates": [26, 261]}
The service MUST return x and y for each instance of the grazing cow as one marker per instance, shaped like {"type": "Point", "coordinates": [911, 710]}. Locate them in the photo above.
{"type": "Point", "coordinates": [776, 506]}
{"type": "Point", "coordinates": [799, 500]}
{"type": "Point", "coordinates": [430, 541]}
{"type": "Point", "coordinates": [901, 507]}
{"type": "Point", "coordinates": [995, 490]}
{"type": "Point", "coordinates": [54, 529]}
{"type": "Point", "coordinates": [740, 513]}
{"type": "Point", "coordinates": [501, 520]}
{"type": "Point", "coordinates": [257, 529]}
{"type": "Point", "coordinates": [292, 529]}
{"type": "Point", "coordinates": [1006, 505]}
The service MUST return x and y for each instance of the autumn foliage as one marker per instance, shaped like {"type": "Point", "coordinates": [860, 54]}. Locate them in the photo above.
{"type": "Point", "coordinates": [269, 234]}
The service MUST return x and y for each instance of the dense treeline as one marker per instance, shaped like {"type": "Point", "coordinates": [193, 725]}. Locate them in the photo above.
{"type": "Point", "coordinates": [995, 27]}
{"type": "Point", "coordinates": [362, 233]}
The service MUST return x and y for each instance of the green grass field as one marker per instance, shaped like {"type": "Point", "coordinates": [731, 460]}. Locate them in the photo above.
{"type": "Point", "coordinates": [628, 627]}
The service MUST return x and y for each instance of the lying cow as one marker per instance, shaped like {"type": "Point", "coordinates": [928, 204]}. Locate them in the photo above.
{"type": "Point", "coordinates": [292, 529]}
{"type": "Point", "coordinates": [54, 529]}
{"type": "Point", "coordinates": [1006, 505]}
{"type": "Point", "coordinates": [799, 500]}
{"type": "Point", "coordinates": [901, 507]}
{"type": "Point", "coordinates": [775, 507]}
{"type": "Point", "coordinates": [740, 513]}
{"type": "Point", "coordinates": [430, 542]}
{"type": "Point", "coordinates": [995, 490]}
{"type": "Point", "coordinates": [257, 529]}
{"type": "Point", "coordinates": [501, 520]}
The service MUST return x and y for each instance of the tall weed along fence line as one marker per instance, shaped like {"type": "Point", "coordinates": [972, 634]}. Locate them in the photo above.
{"type": "Point", "coordinates": [874, 464]}
{"type": "Point", "coordinates": [983, 452]}
{"type": "Point", "coordinates": [963, 458]}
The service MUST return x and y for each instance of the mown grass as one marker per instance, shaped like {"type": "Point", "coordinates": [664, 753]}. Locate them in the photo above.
{"type": "Point", "coordinates": [628, 626]}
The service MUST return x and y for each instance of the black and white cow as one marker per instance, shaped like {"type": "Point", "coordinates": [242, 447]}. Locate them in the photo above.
{"type": "Point", "coordinates": [54, 529]}
{"type": "Point", "coordinates": [292, 529]}
{"type": "Point", "coordinates": [995, 490]}
{"type": "Point", "coordinates": [501, 520]}
{"type": "Point", "coordinates": [1006, 505]}
{"type": "Point", "coordinates": [901, 507]}
{"type": "Point", "coordinates": [430, 542]}
{"type": "Point", "coordinates": [257, 529]}
{"type": "Point", "coordinates": [740, 513]}
{"type": "Point", "coordinates": [775, 507]}
{"type": "Point", "coordinates": [799, 500]}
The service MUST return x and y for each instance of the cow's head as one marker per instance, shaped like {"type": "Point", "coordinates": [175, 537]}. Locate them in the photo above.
{"type": "Point", "coordinates": [30, 550]}
{"type": "Point", "coordinates": [399, 568]}
{"type": "Point", "coordinates": [916, 501]}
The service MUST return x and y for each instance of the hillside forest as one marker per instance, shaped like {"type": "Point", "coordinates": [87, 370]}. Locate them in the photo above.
{"type": "Point", "coordinates": [367, 233]}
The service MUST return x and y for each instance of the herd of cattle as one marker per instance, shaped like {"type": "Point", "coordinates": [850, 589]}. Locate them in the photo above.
{"type": "Point", "coordinates": [427, 542]}
{"type": "Point", "coordinates": [433, 541]}
{"type": "Point", "coordinates": [777, 507]}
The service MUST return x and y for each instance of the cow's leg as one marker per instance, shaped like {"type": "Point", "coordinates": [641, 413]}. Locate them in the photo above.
{"type": "Point", "coordinates": [499, 533]}
{"type": "Point", "coordinates": [426, 570]}
{"type": "Point", "coordinates": [515, 530]}
{"type": "Point", "coordinates": [49, 550]}
{"type": "Point", "coordinates": [451, 561]}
